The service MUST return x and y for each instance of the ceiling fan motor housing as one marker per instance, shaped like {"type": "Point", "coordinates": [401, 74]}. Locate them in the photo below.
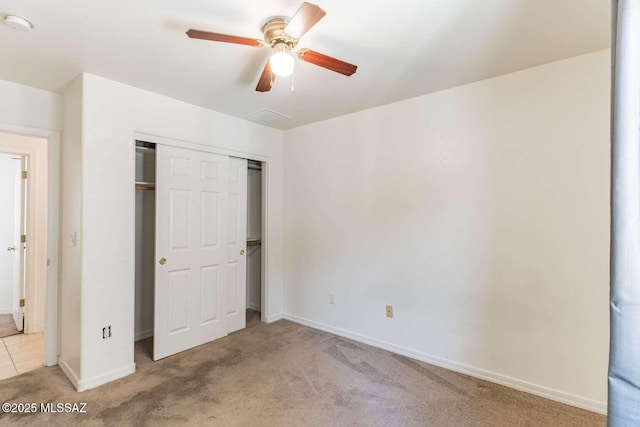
{"type": "Point", "coordinates": [274, 34]}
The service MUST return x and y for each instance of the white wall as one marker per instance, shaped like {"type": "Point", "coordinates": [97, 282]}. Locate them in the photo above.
{"type": "Point", "coordinates": [8, 168]}
{"type": "Point", "coordinates": [111, 114]}
{"type": "Point", "coordinates": [481, 213]}
{"type": "Point", "coordinates": [29, 107]}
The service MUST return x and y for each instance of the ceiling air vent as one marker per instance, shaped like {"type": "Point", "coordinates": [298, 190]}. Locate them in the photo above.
{"type": "Point", "coordinates": [267, 117]}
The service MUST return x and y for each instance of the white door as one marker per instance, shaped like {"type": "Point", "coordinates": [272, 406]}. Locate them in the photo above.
{"type": "Point", "coordinates": [10, 188]}
{"type": "Point", "coordinates": [237, 237]}
{"type": "Point", "coordinates": [191, 249]}
{"type": "Point", "coordinates": [20, 265]}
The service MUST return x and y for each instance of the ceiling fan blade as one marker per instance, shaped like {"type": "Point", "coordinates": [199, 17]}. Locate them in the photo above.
{"type": "Point", "coordinates": [327, 62]}
{"type": "Point", "coordinates": [306, 17]}
{"type": "Point", "coordinates": [266, 79]}
{"type": "Point", "coordinates": [217, 37]}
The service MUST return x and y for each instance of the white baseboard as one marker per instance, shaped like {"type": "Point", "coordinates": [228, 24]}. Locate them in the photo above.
{"type": "Point", "coordinates": [33, 330]}
{"type": "Point", "coordinates": [275, 317]}
{"type": "Point", "coordinates": [6, 310]}
{"type": "Point", "coordinates": [144, 334]}
{"type": "Point", "coordinates": [538, 390]}
{"type": "Point", "coordinates": [71, 375]}
{"type": "Point", "coordinates": [83, 385]}
{"type": "Point", "coordinates": [255, 307]}
{"type": "Point", "coordinates": [113, 375]}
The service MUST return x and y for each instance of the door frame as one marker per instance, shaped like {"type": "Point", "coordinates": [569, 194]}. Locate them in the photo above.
{"type": "Point", "coordinates": [51, 319]}
{"type": "Point", "coordinates": [156, 139]}
{"type": "Point", "coordinates": [21, 211]}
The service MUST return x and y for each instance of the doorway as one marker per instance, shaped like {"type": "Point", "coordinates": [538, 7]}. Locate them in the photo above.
{"type": "Point", "coordinates": [26, 232]}
{"type": "Point", "coordinates": [22, 346]}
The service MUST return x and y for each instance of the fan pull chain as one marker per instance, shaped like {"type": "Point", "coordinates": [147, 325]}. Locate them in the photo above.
{"type": "Point", "coordinates": [293, 88]}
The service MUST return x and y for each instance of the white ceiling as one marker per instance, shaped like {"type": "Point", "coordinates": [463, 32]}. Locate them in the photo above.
{"type": "Point", "coordinates": [403, 48]}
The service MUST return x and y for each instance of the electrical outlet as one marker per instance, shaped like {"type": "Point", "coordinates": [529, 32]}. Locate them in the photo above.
{"type": "Point", "coordinates": [332, 298]}
{"type": "Point", "coordinates": [106, 332]}
{"type": "Point", "coordinates": [389, 310]}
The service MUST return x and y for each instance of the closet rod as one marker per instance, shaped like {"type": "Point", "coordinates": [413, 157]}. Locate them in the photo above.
{"type": "Point", "coordinates": [142, 185]}
{"type": "Point", "coordinates": [254, 242]}
{"type": "Point", "coordinates": [143, 149]}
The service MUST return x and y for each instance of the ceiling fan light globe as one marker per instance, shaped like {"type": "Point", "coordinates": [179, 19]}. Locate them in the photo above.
{"type": "Point", "coordinates": [282, 64]}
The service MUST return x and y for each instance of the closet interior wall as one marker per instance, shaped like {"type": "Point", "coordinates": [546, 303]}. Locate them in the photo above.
{"type": "Point", "coordinates": [254, 235]}
{"type": "Point", "coordinates": [145, 239]}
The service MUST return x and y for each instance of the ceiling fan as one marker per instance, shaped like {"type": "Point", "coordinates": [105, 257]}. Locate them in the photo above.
{"type": "Point", "coordinates": [282, 34]}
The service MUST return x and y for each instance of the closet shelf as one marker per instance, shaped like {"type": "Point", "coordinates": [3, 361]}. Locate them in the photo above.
{"type": "Point", "coordinates": [254, 167]}
{"type": "Point", "coordinates": [254, 242]}
{"type": "Point", "coordinates": [145, 186]}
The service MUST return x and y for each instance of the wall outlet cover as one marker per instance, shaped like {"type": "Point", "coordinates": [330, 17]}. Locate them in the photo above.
{"type": "Point", "coordinates": [106, 332]}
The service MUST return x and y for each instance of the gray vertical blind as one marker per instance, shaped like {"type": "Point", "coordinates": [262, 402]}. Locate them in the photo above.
{"type": "Point", "coordinates": [624, 357]}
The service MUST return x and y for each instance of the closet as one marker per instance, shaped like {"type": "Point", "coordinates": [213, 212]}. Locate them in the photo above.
{"type": "Point", "coordinates": [196, 270]}
{"type": "Point", "coordinates": [254, 236]}
{"type": "Point", "coordinates": [145, 238]}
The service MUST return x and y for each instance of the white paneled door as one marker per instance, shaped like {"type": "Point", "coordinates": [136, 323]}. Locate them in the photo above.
{"type": "Point", "coordinates": [192, 262]}
{"type": "Point", "coordinates": [237, 238]}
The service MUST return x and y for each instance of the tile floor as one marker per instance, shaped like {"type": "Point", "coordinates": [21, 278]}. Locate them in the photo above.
{"type": "Point", "coordinates": [7, 326]}
{"type": "Point", "coordinates": [21, 353]}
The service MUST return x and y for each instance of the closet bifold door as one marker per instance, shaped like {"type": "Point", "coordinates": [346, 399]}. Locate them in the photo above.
{"type": "Point", "coordinates": [191, 252]}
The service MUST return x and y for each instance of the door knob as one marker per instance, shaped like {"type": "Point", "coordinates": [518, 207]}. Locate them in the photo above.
{"type": "Point", "coordinates": [163, 261]}
{"type": "Point", "coordinates": [11, 248]}
{"type": "Point", "coordinates": [241, 251]}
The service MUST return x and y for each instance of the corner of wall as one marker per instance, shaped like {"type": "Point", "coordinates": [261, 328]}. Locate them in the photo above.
{"type": "Point", "coordinates": [70, 231]}
{"type": "Point", "coordinates": [71, 375]}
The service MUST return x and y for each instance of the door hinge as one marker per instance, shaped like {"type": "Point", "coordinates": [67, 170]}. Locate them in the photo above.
{"type": "Point", "coordinates": [22, 302]}
{"type": "Point", "coordinates": [24, 174]}
{"type": "Point", "coordinates": [23, 238]}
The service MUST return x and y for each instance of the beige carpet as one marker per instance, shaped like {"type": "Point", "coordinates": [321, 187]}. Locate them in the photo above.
{"type": "Point", "coordinates": [7, 326]}
{"type": "Point", "coordinates": [285, 374]}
